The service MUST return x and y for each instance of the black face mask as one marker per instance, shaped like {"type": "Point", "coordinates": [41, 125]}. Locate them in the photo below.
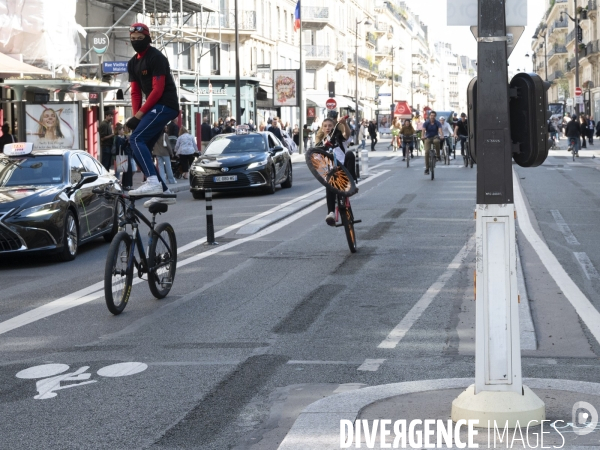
{"type": "Point", "coordinates": [140, 46]}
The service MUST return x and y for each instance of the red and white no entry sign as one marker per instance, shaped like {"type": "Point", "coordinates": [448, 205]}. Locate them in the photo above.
{"type": "Point", "coordinates": [331, 104]}
{"type": "Point", "coordinates": [578, 91]}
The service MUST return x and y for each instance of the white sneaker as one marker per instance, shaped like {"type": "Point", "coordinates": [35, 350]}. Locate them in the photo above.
{"type": "Point", "coordinates": [330, 219]}
{"type": "Point", "coordinates": [166, 201]}
{"type": "Point", "coordinates": [147, 189]}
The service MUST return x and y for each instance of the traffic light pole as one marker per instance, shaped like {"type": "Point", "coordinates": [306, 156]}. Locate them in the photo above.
{"type": "Point", "coordinates": [576, 53]}
{"type": "Point", "coordinates": [498, 393]}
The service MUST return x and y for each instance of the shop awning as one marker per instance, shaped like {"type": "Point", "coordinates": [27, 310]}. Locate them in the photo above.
{"type": "Point", "coordinates": [10, 67]}
{"type": "Point", "coordinates": [403, 110]}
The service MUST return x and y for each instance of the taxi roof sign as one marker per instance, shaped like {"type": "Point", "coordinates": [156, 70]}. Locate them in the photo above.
{"type": "Point", "coordinates": [18, 148]}
{"type": "Point", "coordinates": [242, 129]}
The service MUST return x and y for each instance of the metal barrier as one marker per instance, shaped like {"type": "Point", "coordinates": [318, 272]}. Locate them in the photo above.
{"type": "Point", "coordinates": [210, 228]}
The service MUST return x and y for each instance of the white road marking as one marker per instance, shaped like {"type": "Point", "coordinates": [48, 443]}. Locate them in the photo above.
{"type": "Point", "coordinates": [371, 365]}
{"type": "Point", "coordinates": [88, 294]}
{"type": "Point", "coordinates": [527, 329]}
{"type": "Point", "coordinates": [398, 333]}
{"type": "Point", "coordinates": [122, 369]}
{"type": "Point", "coordinates": [564, 227]}
{"type": "Point", "coordinates": [586, 264]}
{"type": "Point", "coordinates": [589, 315]}
{"type": "Point", "coordinates": [43, 371]}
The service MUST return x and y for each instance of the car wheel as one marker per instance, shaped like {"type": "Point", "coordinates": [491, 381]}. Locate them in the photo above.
{"type": "Point", "coordinates": [118, 217]}
{"type": "Point", "coordinates": [70, 239]}
{"type": "Point", "coordinates": [288, 180]}
{"type": "Point", "coordinates": [271, 186]}
{"type": "Point", "coordinates": [198, 195]}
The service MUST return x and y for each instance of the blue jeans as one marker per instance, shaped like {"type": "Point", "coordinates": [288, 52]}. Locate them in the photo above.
{"type": "Point", "coordinates": [363, 144]}
{"type": "Point", "coordinates": [577, 142]}
{"type": "Point", "coordinates": [164, 163]}
{"type": "Point", "coordinates": [143, 138]}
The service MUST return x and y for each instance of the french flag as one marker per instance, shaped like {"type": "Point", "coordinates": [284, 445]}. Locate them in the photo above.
{"type": "Point", "coordinates": [297, 17]}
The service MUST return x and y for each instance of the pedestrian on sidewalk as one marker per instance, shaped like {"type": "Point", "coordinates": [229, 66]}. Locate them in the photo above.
{"type": "Point", "coordinates": [106, 139]}
{"type": "Point", "coordinates": [206, 133]}
{"type": "Point", "coordinates": [163, 152]}
{"type": "Point", "coordinates": [185, 149]}
{"type": "Point", "coordinates": [6, 138]}
{"type": "Point", "coordinates": [306, 133]}
{"type": "Point", "coordinates": [591, 127]}
{"type": "Point", "coordinates": [149, 76]}
{"type": "Point", "coordinates": [584, 130]}
{"type": "Point", "coordinates": [362, 134]}
{"type": "Point", "coordinates": [373, 134]}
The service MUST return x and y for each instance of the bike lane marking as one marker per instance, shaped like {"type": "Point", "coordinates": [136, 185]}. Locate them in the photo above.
{"type": "Point", "coordinates": [88, 294]}
{"type": "Point", "coordinates": [584, 308]}
{"type": "Point", "coordinates": [400, 330]}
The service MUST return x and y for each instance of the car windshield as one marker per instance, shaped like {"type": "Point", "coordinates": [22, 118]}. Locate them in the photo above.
{"type": "Point", "coordinates": [237, 144]}
{"type": "Point", "coordinates": [31, 171]}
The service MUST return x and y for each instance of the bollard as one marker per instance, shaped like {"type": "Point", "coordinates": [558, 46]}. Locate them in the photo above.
{"type": "Point", "coordinates": [364, 163]}
{"type": "Point", "coordinates": [210, 229]}
{"type": "Point", "coordinates": [357, 162]}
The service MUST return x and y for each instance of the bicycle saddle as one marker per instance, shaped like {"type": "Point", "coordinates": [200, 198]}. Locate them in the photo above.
{"type": "Point", "coordinates": [156, 208]}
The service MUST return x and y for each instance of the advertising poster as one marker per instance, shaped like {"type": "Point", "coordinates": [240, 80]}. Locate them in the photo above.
{"type": "Point", "coordinates": [557, 110]}
{"type": "Point", "coordinates": [53, 125]}
{"type": "Point", "coordinates": [384, 122]}
{"type": "Point", "coordinates": [285, 88]}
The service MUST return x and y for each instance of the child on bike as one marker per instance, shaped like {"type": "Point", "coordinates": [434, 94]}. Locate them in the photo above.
{"type": "Point", "coordinates": [333, 135]}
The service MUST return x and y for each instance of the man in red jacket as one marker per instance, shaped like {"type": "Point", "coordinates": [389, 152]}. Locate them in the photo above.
{"type": "Point", "coordinates": [149, 77]}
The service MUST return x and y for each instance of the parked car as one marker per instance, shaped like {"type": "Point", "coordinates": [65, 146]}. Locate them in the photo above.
{"type": "Point", "coordinates": [241, 161]}
{"type": "Point", "coordinates": [47, 203]}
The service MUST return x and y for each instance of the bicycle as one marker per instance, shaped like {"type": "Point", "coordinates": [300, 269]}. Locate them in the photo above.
{"type": "Point", "coordinates": [432, 160]}
{"type": "Point", "coordinates": [324, 166]}
{"type": "Point", "coordinates": [159, 262]}
{"type": "Point", "coordinates": [446, 152]}
{"type": "Point", "coordinates": [572, 148]}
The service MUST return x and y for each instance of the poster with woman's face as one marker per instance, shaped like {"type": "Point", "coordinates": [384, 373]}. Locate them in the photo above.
{"type": "Point", "coordinates": [285, 88]}
{"type": "Point", "coordinates": [54, 125]}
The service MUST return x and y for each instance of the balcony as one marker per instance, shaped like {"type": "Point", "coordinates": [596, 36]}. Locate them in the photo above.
{"type": "Point", "coordinates": [592, 48]}
{"type": "Point", "coordinates": [315, 17]}
{"type": "Point", "coordinates": [316, 56]}
{"type": "Point", "coordinates": [558, 50]}
{"type": "Point", "coordinates": [226, 21]}
{"type": "Point", "coordinates": [557, 27]}
{"type": "Point", "coordinates": [555, 75]}
{"type": "Point", "coordinates": [364, 63]}
{"type": "Point", "coordinates": [570, 37]}
{"type": "Point", "coordinates": [382, 53]}
{"type": "Point", "coordinates": [371, 39]}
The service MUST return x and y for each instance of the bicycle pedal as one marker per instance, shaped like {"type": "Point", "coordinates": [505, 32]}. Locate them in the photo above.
{"type": "Point", "coordinates": [337, 225]}
{"type": "Point", "coordinates": [357, 221]}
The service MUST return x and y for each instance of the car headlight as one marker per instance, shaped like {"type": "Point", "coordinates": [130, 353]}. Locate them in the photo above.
{"type": "Point", "coordinates": [41, 210]}
{"type": "Point", "coordinates": [256, 164]}
{"type": "Point", "coordinates": [198, 169]}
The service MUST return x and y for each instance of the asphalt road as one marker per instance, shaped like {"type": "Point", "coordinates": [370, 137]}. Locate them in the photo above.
{"type": "Point", "coordinates": [260, 326]}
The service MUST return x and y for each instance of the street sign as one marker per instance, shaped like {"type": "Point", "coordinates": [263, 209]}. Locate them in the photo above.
{"type": "Point", "coordinates": [569, 102]}
{"type": "Point", "coordinates": [331, 86]}
{"type": "Point", "coordinates": [464, 13]}
{"type": "Point", "coordinates": [100, 43]}
{"type": "Point", "coordinates": [114, 66]}
{"type": "Point", "coordinates": [579, 100]}
{"type": "Point", "coordinates": [331, 104]}
{"type": "Point", "coordinates": [310, 112]}
{"type": "Point", "coordinates": [94, 97]}
{"type": "Point", "coordinates": [578, 91]}
{"type": "Point", "coordinates": [262, 68]}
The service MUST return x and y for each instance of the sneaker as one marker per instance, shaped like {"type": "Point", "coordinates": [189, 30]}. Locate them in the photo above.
{"type": "Point", "coordinates": [426, 172]}
{"type": "Point", "coordinates": [569, 149]}
{"type": "Point", "coordinates": [166, 201]}
{"type": "Point", "coordinates": [403, 159]}
{"type": "Point", "coordinates": [330, 219]}
{"type": "Point", "coordinates": [147, 189]}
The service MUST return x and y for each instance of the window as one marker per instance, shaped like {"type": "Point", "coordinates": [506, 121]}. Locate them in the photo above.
{"type": "Point", "coordinates": [309, 79]}
{"type": "Point", "coordinates": [77, 169]}
{"type": "Point", "coordinates": [179, 52]}
{"type": "Point", "coordinates": [89, 164]}
{"type": "Point", "coordinates": [215, 59]}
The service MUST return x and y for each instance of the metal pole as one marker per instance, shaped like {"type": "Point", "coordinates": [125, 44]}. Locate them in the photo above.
{"type": "Point", "coordinates": [356, 67]}
{"type": "Point", "coordinates": [100, 96]}
{"type": "Point", "coordinates": [238, 106]}
{"type": "Point", "coordinates": [577, 109]}
{"type": "Point", "coordinates": [392, 79]}
{"type": "Point", "coordinates": [301, 91]}
{"type": "Point", "coordinates": [210, 228]}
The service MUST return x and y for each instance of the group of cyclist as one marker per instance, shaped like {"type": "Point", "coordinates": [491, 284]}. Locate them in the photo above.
{"type": "Point", "coordinates": [431, 132]}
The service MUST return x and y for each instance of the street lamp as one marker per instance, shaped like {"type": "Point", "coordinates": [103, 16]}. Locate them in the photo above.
{"type": "Point", "coordinates": [583, 13]}
{"type": "Point", "coordinates": [366, 23]}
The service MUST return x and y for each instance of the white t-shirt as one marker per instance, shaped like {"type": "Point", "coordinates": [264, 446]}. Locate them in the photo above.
{"type": "Point", "coordinates": [447, 129]}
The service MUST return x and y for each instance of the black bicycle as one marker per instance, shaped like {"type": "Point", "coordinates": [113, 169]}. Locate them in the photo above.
{"type": "Point", "coordinates": [324, 166]}
{"type": "Point", "coordinates": [467, 157]}
{"type": "Point", "coordinates": [158, 261]}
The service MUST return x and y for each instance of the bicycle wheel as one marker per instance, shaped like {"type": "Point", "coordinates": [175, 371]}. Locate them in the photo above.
{"type": "Point", "coordinates": [162, 260]}
{"type": "Point", "coordinates": [337, 179]}
{"type": "Point", "coordinates": [348, 222]}
{"type": "Point", "coordinates": [118, 277]}
{"type": "Point", "coordinates": [432, 163]}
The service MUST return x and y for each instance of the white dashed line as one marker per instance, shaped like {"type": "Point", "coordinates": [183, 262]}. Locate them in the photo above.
{"type": "Point", "coordinates": [564, 228]}
{"type": "Point", "coordinates": [371, 365]}
{"type": "Point", "coordinates": [588, 268]}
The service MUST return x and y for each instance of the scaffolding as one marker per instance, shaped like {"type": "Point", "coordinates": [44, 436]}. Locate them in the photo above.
{"type": "Point", "coordinates": [184, 23]}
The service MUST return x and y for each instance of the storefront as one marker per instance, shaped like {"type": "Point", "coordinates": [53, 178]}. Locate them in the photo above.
{"type": "Point", "coordinates": [196, 97]}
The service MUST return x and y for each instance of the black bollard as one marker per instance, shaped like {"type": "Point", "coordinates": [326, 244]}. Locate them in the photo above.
{"type": "Point", "coordinates": [210, 228]}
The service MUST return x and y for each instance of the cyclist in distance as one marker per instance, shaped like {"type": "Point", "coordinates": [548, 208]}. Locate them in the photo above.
{"type": "Point", "coordinates": [407, 132]}
{"type": "Point", "coordinates": [149, 76]}
{"type": "Point", "coordinates": [573, 132]}
{"type": "Point", "coordinates": [433, 134]}
{"type": "Point", "coordinates": [447, 131]}
{"type": "Point", "coordinates": [333, 135]}
{"type": "Point", "coordinates": [461, 131]}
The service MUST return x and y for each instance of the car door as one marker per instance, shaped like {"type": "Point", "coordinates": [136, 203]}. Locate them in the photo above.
{"type": "Point", "coordinates": [103, 210]}
{"type": "Point", "coordinates": [277, 156]}
{"type": "Point", "coordinates": [84, 199]}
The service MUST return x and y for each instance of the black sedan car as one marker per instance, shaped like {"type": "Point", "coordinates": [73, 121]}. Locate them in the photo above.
{"type": "Point", "coordinates": [47, 203]}
{"type": "Point", "coordinates": [249, 160]}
